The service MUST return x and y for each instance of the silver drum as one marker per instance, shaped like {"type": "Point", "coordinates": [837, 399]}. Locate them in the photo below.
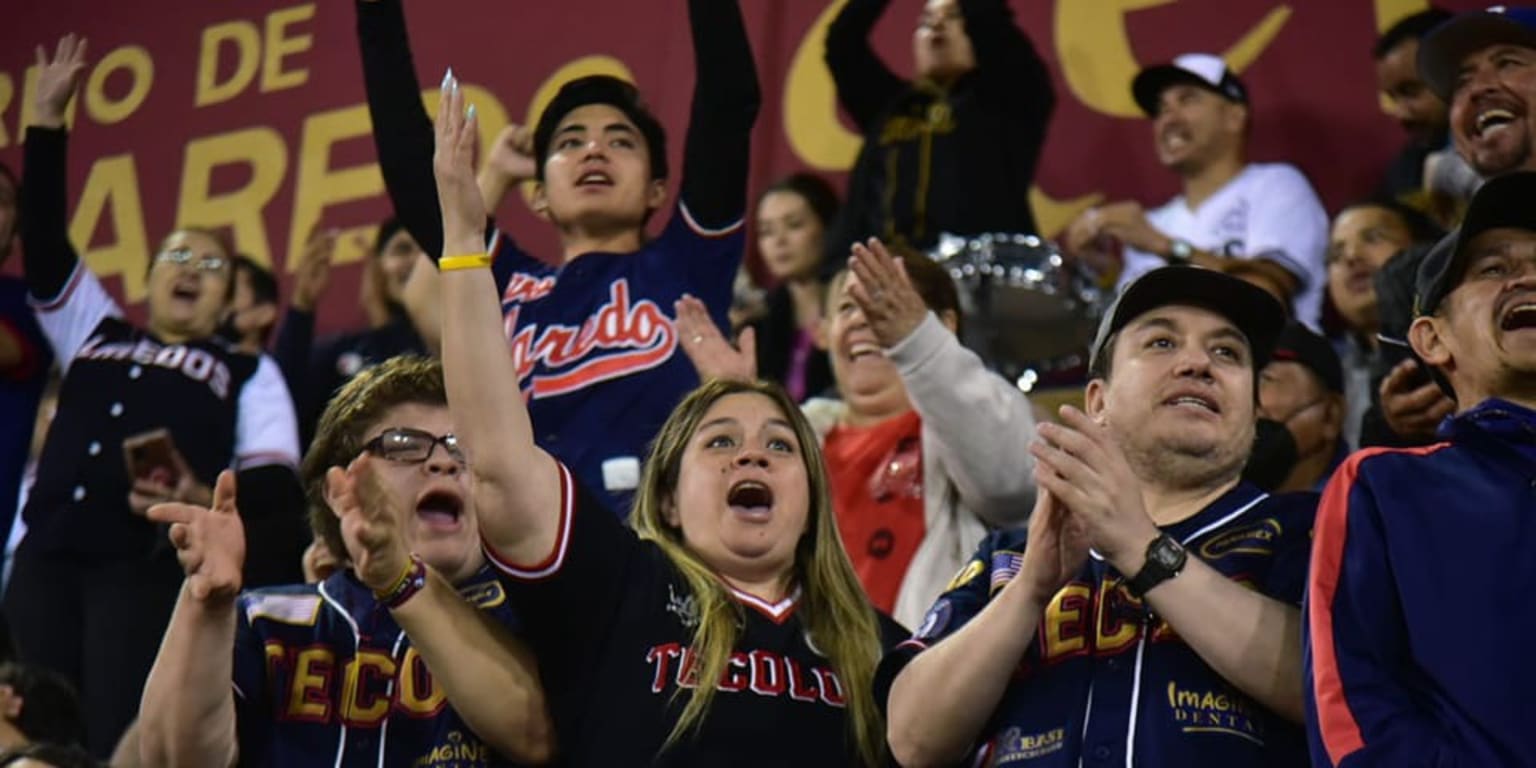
{"type": "Point", "coordinates": [1024, 302]}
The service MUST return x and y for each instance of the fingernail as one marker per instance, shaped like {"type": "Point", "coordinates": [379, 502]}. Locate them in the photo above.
{"type": "Point", "coordinates": [469, 114]}
{"type": "Point", "coordinates": [447, 77]}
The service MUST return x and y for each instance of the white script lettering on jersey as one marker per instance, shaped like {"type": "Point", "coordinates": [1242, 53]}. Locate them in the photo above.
{"type": "Point", "coordinates": [618, 339]}
{"type": "Point", "coordinates": [194, 363]}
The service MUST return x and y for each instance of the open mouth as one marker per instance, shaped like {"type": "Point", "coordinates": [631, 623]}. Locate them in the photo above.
{"type": "Point", "coordinates": [1196, 402]}
{"type": "Point", "coordinates": [1519, 317]}
{"type": "Point", "coordinates": [594, 179]}
{"type": "Point", "coordinates": [440, 509]}
{"type": "Point", "coordinates": [1491, 120]}
{"type": "Point", "coordinates": [750, 499]}
{"type": "Point", "coordinates": [185, 290]}
{"type": "Point", "coordinates": [860, 349]}
{"type": "Point", "coordinates": [1174, 137]}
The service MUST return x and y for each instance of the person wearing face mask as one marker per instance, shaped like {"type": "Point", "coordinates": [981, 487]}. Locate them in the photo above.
{"type": "Point", "coordinates": [955, 149]}
{"type": "Point", "coordinates": [1301, 391]}
{"type": "Point", "coordinates": [1228, 208]}
{"type": "Point", "coordinates": [793, 216]}
{"type": "Point", "coordinates": [146, 415]}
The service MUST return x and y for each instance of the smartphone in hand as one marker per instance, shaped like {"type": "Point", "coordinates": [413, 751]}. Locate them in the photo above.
{"type": "Point", "coordinates": [152, 457]}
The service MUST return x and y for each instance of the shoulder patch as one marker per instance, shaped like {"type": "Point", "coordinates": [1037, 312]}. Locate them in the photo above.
{"type": "Point", "coordinates": [298, 610]}
{"type": "Point", "coordinates": [936, 621]}
{"type": "Point", "coordinates": [966, 574]}
{"type": "Point", "coordinates": [485, 594]}
{"type": "Point", "coordinates": [1254, 539]}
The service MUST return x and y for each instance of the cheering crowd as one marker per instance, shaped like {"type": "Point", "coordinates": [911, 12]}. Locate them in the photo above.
{"type": "Point", "coordinates": [617, 506]}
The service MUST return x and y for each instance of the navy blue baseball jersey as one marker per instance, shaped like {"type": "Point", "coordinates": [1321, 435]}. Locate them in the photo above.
{"type": "Point", "coordinates": [611, 622]}
{"type": "Point", "coordinates": [222, 408]}
{"type": "Point", "coordinates": [1106, 682]}
{"type": "Point", "coordinates": [580, 334]}
{"type": "Point", "coordinates": [324, 677]}
{"type": "Point", "coordinates": [21, 390]}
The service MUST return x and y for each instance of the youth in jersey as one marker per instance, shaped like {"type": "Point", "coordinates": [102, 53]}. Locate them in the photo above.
{"type": "Point", "coordinates": [402, 657]}
{"type": "Point", "coordinates": [89, 558]}
{"type": "Point", "coordinates": [592, 335]}
{"type": "Point", "coordinates": [731, 517]}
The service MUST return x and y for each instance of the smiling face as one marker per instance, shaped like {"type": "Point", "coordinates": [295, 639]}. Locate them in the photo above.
{"type": "Point", "coordinates": [1194, 126]}
{"type": "Point", "coordinates": [1484, 334]}
{"type": "Point", "coordinates": [1363, 239]}
{"type": "Point", "coordinates": [435, 511]}
{"type": "Point", "coordinates": [1180, 396]}
{"type": "Point", "coordinates": [742, 498]}
{"type": "Point", "coordinates": [189, 291]}
{"type": "Point", "coordinates": [789, 235]}
{"type": "Point", "coordinates": [1409, 100]}
{"type": "Point", "coordinates": [941, 49]}
{"type": "Point", "coordinates": [597, 174]}
{"type": "Point", "coordinates": [1490, 106]}
{"type": "Point", "coordinates": [866, 379]}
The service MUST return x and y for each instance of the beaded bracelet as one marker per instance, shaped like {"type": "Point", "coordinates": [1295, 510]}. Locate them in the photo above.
{"type": "Point", "coordinates": [465, 261]}
{"type": "Point", "coordinates": [412, 580]}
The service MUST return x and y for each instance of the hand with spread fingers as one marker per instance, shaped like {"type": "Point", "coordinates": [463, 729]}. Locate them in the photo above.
{"type": "Point", "coordinates": [314, 273]}
{"type": "Point", "coordinates": [209, 541]}
{"type": "Point", "coordinates": [453, 165]}
{"type": "Point", "coordinates": [712, 355]}
{"type": "Point", "coordinates": [884, 293]}
{"type": "Point", "coordinates": [57, 80]}
{"type": "Point", "coordinates": [1082, 466]}
{"type": "Point", "coordinates": [369, 524]}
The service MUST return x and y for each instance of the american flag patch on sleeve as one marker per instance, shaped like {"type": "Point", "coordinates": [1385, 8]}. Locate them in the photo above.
{"type": "Point", "coordinates": [1005, 566]}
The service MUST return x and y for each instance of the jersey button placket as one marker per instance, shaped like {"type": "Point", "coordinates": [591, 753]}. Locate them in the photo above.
{"type": "Point", "coordinates": [116, 410]}
{"type": "Point", "coordinates": [135, 372]}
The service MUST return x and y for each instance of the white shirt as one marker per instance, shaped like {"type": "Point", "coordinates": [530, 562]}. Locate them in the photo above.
{"type": "Point", "coordinates": [1268, 211]}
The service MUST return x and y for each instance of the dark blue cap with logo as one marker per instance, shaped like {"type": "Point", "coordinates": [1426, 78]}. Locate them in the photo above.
{"type": "Point", "coordinates": [1504, 201]}
{"type": "Point", "coordinates": [1443, 49]}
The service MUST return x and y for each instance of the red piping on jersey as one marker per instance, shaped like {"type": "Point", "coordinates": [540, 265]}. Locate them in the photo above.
{"type": "Point", "coordinates": [552, 562]}
{"type": "Point", "coordinates": [702, 231]}
{"type": "Point", "coordinates": [776, 612]}
{"type": "Point", "coordinates": [1337, 725]}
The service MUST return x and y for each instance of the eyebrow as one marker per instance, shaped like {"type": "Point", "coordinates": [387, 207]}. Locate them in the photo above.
{"type": "Point", "coordinates": [731, 421]}
{"type": "Point", "coordinates": [582, 127]}
{"type": "Point", "coordinates": [1163, 323]}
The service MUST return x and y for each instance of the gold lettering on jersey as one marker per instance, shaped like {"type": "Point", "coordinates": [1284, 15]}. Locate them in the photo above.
{"type": "Point", "coordinates": [1215, 711]}
{"type": "Point", "coordinates": [419, 695]}
{"type": "Point", "coordinates": [363, 703]}
{"type": "Point", "coordinates": [900, 129]}
{"type": "Point", "coordinates": [1063, 626]}
{"type": "Point", "coordinates": [971, 570]}
{"type": "Point", "coordinates": [1115, 630]}
{"type": "Point", "coordinates": [461, 750]}
{"type": "Point", "coordinates": [310, 698]}
{"type": "Point", "coordinates": [762, 672]}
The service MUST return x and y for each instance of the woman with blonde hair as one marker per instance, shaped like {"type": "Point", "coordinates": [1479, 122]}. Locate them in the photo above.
{"type": "Point", "coordinates": [732, 573]}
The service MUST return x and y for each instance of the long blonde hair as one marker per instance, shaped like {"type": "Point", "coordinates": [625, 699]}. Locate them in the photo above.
{"type": "Point", "coordinates": [832, 608]}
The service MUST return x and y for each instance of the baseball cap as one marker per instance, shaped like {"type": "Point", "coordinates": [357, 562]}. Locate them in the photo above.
{"type": "Point", "coordinates": [1298, 344]}
{"type": "Point", "coordinates": [1202, 69]}
{"type": "Point", "coordinates": [1441, 51]}
{"type": "Point", "coordinates": [1256, 313]}
{"type": "Point", "coordinates": [1503, 201]}
{"type": "Point", "coordinates": [601, 89]}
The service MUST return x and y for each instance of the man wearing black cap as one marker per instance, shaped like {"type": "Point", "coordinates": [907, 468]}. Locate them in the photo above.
{"type": "Point", "coordinates": [1418, 639]}
{"type": "Point", "coordinates": [1145, 650]}
{"type": "Point", "coordinates": [1483, 63]}
{"type": "Point", "coordinates": [1229, 208]}
{"type": "Point", "coordinates": [1302, 389]}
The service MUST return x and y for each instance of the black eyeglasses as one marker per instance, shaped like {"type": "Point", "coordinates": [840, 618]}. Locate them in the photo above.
{"type": "Point", "coordinates": [412, 446]}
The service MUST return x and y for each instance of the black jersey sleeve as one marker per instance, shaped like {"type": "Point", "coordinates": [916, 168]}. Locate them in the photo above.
{"type": "Point", "coordinates": [1008, 64]}
{"type": "Point", "coordinates": [865, 86]}
{"type": "Point", "coordinates": [726, 96]}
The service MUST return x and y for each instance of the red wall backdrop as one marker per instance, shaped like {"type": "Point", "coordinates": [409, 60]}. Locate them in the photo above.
{"type": "Point", "coordinates": [251, 115]}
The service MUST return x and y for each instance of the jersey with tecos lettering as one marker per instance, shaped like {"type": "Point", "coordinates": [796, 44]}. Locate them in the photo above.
{"type": "Point", "coordinates": [323, 676]}
{"type": "Point", "coordinates": [610, 620]}
{"type": "Point", "coordinates": [579, 332]}
{"type": "Point", "coordinates": [1106, 683]}
{"type": "Point", "coordinates": [223, 408]}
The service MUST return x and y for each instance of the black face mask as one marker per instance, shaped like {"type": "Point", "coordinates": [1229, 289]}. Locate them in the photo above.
{"type": "Point", "coordinates": [1274, 455]}
{"type": "Point", "coordinates": [227, 330]}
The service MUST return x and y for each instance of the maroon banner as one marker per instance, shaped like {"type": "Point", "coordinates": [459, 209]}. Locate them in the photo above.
{"type": "Point", "coordinates": [251, 116]}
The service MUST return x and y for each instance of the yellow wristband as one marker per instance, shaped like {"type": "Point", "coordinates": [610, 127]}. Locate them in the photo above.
{"type": "Point", "coordinates": [394, 586]}
{"type": "Point", "coordinates": [466, 261]}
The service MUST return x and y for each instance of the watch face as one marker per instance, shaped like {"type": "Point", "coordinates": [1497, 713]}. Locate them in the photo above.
{"type": "Point", "coordinates": [1167, 553]}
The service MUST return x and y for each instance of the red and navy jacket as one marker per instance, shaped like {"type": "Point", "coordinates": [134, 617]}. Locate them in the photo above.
{"type": "Point", "coordinates": [1108, 683]}
{"type": "Point", "coordinates": [323, 676]}
{"type": "Point", "coordinates": [1418, 638]}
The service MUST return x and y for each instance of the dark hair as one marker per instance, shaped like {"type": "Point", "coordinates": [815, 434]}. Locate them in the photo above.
{"type": "Point", "coordinates": [1412, 27]}
{"type": "Point", "coordinates": [388, 228]}
{"type": "Point", "coordinates": [1420, 226]}
{"type": "Point", "coordinates": [50, 711]}
{"type": "Point", "coordinates": [601, 89]}
{"type": "Point", "coordinates": [52, 754]}
{"type": "Point", "coordinates": [931, 281]}
{"type": "Point", "coordinates": [263, 284]}
{"type": "Point", "coordinates": [819, 196]}
{"type": "Point", "coordinates": [355, 408]}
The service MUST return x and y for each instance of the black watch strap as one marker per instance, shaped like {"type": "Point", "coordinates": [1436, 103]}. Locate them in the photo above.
{"type": "Point", "coordinates": [1165, 559]}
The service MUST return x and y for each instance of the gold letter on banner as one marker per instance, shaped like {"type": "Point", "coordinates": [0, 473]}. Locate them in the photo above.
{"type": "Point", "coordinates": [115, 181]}
{"type": "Point", "coordinates": [247, 46]}
{"type": "Point", "coordinates": [136, 61]}
{"type": "Point", "coordinates": [261, 149]}
{"type": "Point", "coordinates": [815, 134]}
{"type": "Point", "coordinates": [1095, 52]}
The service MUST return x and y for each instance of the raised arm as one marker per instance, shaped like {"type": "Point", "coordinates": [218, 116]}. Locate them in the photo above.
{"type": "Point", "coordinates": [717, 153]}
{"type": "Point", "coordinates": [865, 86]}
{"type": "Point", "coordinates": [517, 485]}
{"type": "Point", "coordinates": [187, 713]}
{"type": "Point", "coordinates": [490, 678]}
{"type": "Point", "coordinates": [1009, 66]}
{"type": "Point", "coordinates": [47, 256]}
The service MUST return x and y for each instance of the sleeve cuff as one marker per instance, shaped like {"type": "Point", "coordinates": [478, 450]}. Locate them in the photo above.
{"type": "Point", "coordinates": [921, 345]}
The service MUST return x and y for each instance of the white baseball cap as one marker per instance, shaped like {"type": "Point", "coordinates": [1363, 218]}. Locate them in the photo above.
{"type": "Point", "coordinates": [1202, 69]}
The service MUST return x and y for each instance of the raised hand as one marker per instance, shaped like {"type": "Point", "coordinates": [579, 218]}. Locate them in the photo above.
{"type": "Point", "coordinates": [210, 542]}
{"type": "Point", "coordinates": [314, 272]}
{"type": "Point", "coordinates": [369, 524]}
{"type": "Point", "coordinates": [453, 164]}
{"type": "Point", "coordinates": [58, 79]}
{"type": "Point", "coordinates": [1056, 549]}
{"type": "Point", "coordinates": [891, 306]}
{"type": "Point", "coordinates": [710, 352]}
{"type": "Point", "coordinates": [511, 157]}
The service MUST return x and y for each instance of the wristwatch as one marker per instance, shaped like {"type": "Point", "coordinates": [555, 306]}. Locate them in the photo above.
{"type": "Point", "coordinates": [1165, 559]}
{"type": "Point", "coordinates": [1179, 251]}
